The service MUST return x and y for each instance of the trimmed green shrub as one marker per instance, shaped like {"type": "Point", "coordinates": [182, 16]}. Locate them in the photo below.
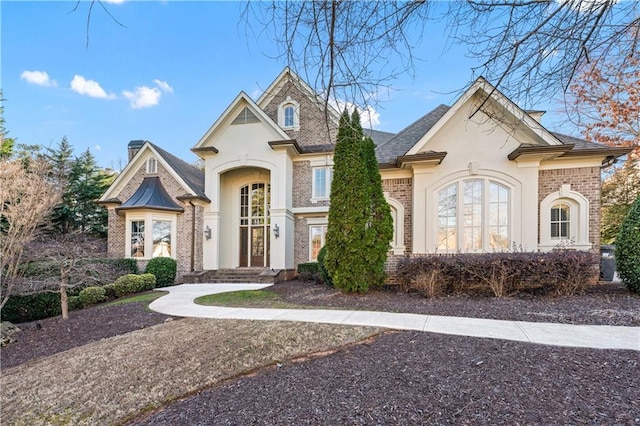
{"type": "Point", "coordinates": [126, 264]}
{"type": "Point", "coordinates": [92, 295]}
{"type": "Point", "coordinates": [147, 282]}
{"type": "Point", "coordinates": [31, 307]}
{"type": "Point", "coordinates": [308, 271]}
{"type": "Point", "coordinates": [74, 303]}
{"type": "Point", "coordinates": [628, 249]}
{"type": "Point", "coordinates": [110, 291]}
{"type": "Point", "coordinates": [164, 269]}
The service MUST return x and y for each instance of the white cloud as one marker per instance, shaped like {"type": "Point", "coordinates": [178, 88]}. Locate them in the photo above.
{"type": "Point", "coordinates": [143, 97]}
{"type": "Point", "coordinates": [41, 78]}
{"type": "Point", "coordinates": [164, 86]}
{"type": "Point", "coordinates": [146, 97]}
{"type": "Point", "coordinates": [91, 88]}
{"type": "Point", "coordinates": [114, 1]}
{"type": "Point", "coordinates": [369, 118]}
{"type": "Point", "coordinates": [97, 147]}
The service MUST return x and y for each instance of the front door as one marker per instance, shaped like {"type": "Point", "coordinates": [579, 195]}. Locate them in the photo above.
{"type": "Point", "coordinates": [254, 224]}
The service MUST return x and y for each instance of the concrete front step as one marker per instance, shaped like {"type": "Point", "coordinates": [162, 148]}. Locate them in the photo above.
{"type": "Point", "coordinates": [239, 275]}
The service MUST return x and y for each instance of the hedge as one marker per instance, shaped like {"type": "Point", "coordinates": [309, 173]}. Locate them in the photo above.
{"type": "Point", "coordinates": [164, 269]}
{"type": "Point", "coordinates": [560, 272]}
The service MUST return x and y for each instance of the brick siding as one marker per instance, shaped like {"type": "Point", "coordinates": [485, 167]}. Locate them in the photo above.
{"type": "Point", "coordinates": [117, 224]}
{"type": "Point", "coordinates": [586, 181]}
{"type": "Point", "coordinates": [313, 126]}
{"type": "Point", "coordinates": [402, 190]}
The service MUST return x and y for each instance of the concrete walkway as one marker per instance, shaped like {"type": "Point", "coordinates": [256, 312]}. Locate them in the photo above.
{"type": "Point", "coordinates": [179, 302]}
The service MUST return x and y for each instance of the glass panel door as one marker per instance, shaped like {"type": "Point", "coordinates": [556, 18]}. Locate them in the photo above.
{"type": "Point", "coordinates": [254, 224]}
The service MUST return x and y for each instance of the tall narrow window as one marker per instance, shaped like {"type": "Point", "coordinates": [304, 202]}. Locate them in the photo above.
{"type": "Point", "coordinates": [498, 216]}
{"type": "Point", "coordinates": [161, 238]}
{"type": "Point", "coordinates": [447, 206]}
{"type": "Point", "coordinates": [152, 166]}
{"type": "Point", "coordinates": [560, 221]}
{"type": "Point", "coordinates": [317, 238]}
{"type": "Point", "coordinates": [321, 187]}
{"type": "Point", "coordinates": [472, 237]}
{"type": "Point", "coordinates": [137, 238]}
{"type": "Point", "coordinates": [289, 111]}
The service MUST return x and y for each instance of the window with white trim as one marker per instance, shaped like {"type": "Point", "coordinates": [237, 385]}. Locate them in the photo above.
{"type": "Point", "coordinates": [151, 235]}
{"type": "Point", "coordinates": [321, 182]}
{"type": "Point", "coordinates": [473, 215]}
{"type": "Point", "coordinates": [317, 240]}
{"type": "Point", "coordinates": [152, 166]}
{"type": "Point", "coordinates": [564, 220]}
{"type": "Point", "coordinates": [289, 114]}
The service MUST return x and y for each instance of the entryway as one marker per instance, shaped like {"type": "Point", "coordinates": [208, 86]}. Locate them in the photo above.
{"type": "Point", "coordinates": [255, 223]}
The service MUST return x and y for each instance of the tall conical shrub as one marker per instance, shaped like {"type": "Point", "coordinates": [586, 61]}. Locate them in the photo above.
{"type": "Point", "coordinates": [360, 225]}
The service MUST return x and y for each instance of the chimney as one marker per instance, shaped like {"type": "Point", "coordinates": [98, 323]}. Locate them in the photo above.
{"type": "Point", "coordinates": [134, 147]}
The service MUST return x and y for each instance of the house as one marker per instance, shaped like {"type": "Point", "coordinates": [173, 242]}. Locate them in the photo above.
{"type": "Point", "coordinates": [477, 176]}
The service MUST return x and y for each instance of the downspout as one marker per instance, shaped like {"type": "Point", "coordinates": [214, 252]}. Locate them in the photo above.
{"type": "Point", "coordinates": [193, 235]}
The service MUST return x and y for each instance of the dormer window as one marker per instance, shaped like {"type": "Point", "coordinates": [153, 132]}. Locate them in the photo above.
{"type": "Point", "coordinates": [152, 166]}
{"type": "Point", "coordinates": [289, 114]}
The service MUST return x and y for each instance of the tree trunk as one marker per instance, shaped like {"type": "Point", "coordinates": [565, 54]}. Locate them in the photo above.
{"type": "Point", "coordinates": [64, 305]}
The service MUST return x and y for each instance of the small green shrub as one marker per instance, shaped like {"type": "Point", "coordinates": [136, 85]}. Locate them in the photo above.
{"type": "Point", "coordinates": [164, 269]}
{"type": "Point", "coordinates": [126, 264]}
{"type": "Point", "coordinates": [147, 282]}
{"type": "Point", "coordinates": [628, 249]}
{"type": "Point", "coordinates": [74, 303]}
{"type": "Point", "coordinates": [31, 307]}
{"type": "Point", "coordinates": [308, 271]}
{"type": "Point", "coordinates": [92, 295]}
{"type": "Point", "coordinates": [322, 267]}
{"type": "Point", "coordinates": [110, 291]}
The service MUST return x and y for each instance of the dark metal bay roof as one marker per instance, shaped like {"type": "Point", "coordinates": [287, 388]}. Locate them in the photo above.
{"type": "Point", "coordinates": [151, 195]}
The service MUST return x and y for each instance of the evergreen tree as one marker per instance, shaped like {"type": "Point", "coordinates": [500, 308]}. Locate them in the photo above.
{"type": "Point", "coordinates": [88, 182]}
{"type": "Point", "coordinates": [379, 233]}
{"type": "Point", "coordinates": [628, 248]}
{"type": "Point", "coordinates": [61, 162]}
{"type": "Point", "coordinates": [360, 226]}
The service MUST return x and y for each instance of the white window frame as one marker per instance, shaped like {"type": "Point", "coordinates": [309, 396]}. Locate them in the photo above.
{"type": "Point", "coordinates": [322, 222]}
{"type": "Point", "coordinates": [148, 218]}
{"type": "Point", "coordinates": [397, 214]}
{"type": "Point", "coordinates": [296, 114]}
{"type": "Point", "coordinates": [578, 219]}
{"type": "Point", "coordinates": [485, 227]}
{"type": "Point", "coordinates": [152, 166]}
{"type": "Point", "coordinates": [328, 177]}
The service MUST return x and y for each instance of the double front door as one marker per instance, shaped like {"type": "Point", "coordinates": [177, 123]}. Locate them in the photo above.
{"type": "Point", "coordinates": [254, 224]}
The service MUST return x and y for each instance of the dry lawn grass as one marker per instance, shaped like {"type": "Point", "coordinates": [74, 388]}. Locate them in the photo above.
{"type": "Point", "coordinates": [112, 380]}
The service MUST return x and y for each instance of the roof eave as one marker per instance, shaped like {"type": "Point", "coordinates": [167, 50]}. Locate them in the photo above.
{"type": "Point", "coordinates": [434, 158]}
{"type": "Point", "coordinates": [549, 151]}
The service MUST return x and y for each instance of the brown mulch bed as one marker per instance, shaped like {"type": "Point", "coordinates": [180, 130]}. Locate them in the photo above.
{"type": "Point", "coordinates": [602, 304]}
{"type": "Point", "coordinates": [52, 335]}
{"type": "Point", "coordinates": [401, 377]}
{"type": "Point", "coordinates": [410, 378]}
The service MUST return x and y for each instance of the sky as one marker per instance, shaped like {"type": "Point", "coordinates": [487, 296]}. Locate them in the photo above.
{"type": "Point", "coordinates": [167, 73]}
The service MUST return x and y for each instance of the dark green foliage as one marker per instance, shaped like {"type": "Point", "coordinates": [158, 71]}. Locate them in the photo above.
{"type": "Point", "coordinates": [73, 303]}
{"type": "Point", "coordinates": [128, 265]}
{"type": "Point", "coordinates": [358, 215]}
{"type": "Point", "coordinates": [628, 248]}
{"type": "Point", "coordinates": [164, 269]}
{"type": "Point", "coordinates": [379, 231]}
{"type": "Point", "coordinates": [308, 271]}
{"type": "Point", "coordinates": [147, 282]}
{"type": "Point", "coordinates": [110, 291]}
{"type": "Point", "coordinates": [91, 295]}
{"type": "Point", "coordinates": [31, 307]}
{"type": "Point", "coordinates": [560, 272]}
{"type": "Point", "coordinates": [81, 182]}
{"type": "Point", "coordinates": [322, 267]}
{"type": "Point", "coordinates": [619, 191]}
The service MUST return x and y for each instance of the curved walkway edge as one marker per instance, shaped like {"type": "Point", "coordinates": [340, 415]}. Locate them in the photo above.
{"type": "Point", "coordinates": [180, 302]}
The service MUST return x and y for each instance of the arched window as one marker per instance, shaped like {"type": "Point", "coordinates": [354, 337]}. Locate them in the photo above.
{"type": "Point", "coordinates": [564, 220]}
{"type": "Point", "coordinates": [289, 114]}
{"type": "Point", "coordinates": [473, 215]}
{"type": "Point", "coordinates": [152, 166]}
